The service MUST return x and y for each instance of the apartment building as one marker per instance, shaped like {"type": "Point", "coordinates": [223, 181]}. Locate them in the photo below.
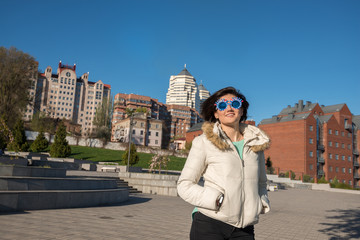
{"type": "Point", "coordinates": [144, 131]}
{"type": "Point", "coordinates": [123, 101]}
{"type": "Point", "coordinates": [183, 90]}
{"type": "Point", "coordinates": [176, 119]}
{"type": "Point", "coordinates": [315, 140]}
{"type": "Point", "coordinates": [64, 95]}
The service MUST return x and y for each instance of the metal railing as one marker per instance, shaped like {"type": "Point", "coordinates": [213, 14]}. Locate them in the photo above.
{"type": "Point", "coordinates": [321, 160]}
{"type": "Point", "coordinates": [321, 147]}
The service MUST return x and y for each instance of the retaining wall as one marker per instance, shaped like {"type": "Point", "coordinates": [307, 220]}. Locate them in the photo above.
{"type": "Point", "coordinates": [152, 183]}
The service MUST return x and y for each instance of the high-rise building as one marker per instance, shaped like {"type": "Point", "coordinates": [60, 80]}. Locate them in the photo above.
{"type": "Point", "coordinates": [203, 93]}
{"type": "Point", "coordinates": [65, 96]}
{"type": "Point", "coordinates": [318, 141]}
{"type": "Point", "coordinates": [183, 90]}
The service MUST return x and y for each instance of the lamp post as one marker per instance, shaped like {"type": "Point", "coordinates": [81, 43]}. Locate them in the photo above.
{"type": "Point", "coordinates": [130, 136]}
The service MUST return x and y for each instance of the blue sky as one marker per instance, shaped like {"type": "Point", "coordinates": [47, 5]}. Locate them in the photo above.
{"type": "Point", "coordinates": [275, 52]}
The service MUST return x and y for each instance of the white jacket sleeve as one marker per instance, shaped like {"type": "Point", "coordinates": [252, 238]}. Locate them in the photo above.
{"type": "Point", "coordinates": [187, 186]}
{"type": "Point", "coordinates": [263, 184]}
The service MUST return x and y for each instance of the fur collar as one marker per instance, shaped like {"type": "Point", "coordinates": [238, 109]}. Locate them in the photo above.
{"type": "Point", "coordinates": [256, 139]}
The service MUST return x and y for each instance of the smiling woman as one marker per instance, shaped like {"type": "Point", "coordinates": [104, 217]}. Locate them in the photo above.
{"type": "Point", "coordinates": [229, 156]}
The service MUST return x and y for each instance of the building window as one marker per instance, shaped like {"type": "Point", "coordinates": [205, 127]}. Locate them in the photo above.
{"type": "Point", "coordinates": [141, 132]}
{"type": "Point", "coordinates": [337, 169]}
{"type": "Point", "coordinates": [350, 170]}
{"type": "Point", "coordinates": [336, 132]}
{"type": "Point", "coordinates": [349, 146]}
{"type": "Point", "coordinates": [343, 157]}
{"type": "Point", "coordinates": [311, 128]}
{"type": "Point", "coordinates": [330, 155]}
{"type": "Point", "coordinates": [311, 141]}
{"type": "Point", "coordinates": [156, 141]}
{"type": "Point", "coordinates": [342, 145]}
{"type": "Point", "coordinates": [311, 167]}
{"type": "Point", "coordinates": [350, 182]}
{"type": "Point", "coordinates": [330, 131]}
{"type": "Point", "coordinates": [343, 170]}
{"type": "Point", "coordinates": [157, 134]}
{"type": "Point", "coordinates": [349, 158]}
{"type": "Point", "coordinates": [330, 168]}
{"type": "Point", "coordinates": [311, 154]}
{"type": "Point", "coordinates": [342, 134]}
{"type": "Point", "coordinates": [330, 143]}
{"type": "Point", "coordinates": [336, 156]}
{"type": "Point", "coordinates": [336, 144]}
{"type": "Point", "coordinates": [149, 133]}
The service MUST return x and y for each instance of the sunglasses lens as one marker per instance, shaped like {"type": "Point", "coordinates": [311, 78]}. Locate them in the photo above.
{"type": "Point", "coordinates": [222, 106]}
{"type": "Point", "coordinates": [236, 104]}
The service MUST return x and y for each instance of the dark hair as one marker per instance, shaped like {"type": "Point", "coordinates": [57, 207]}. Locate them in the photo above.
{"type": "Point", "coordinates": [208, 107]}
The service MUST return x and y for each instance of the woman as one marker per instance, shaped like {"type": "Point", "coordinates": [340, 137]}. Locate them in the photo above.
{"type": "Point", "coordinates": [229, 155]}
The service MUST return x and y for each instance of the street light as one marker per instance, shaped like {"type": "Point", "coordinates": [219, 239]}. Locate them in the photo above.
{"type": "Point", "coordinates": [130, 136]}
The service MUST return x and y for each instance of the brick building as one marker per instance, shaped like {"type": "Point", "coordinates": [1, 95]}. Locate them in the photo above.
{"type": "Point", "coordinates": [176, 119]}
{"type": "Point", "coordinates": [315, 140]}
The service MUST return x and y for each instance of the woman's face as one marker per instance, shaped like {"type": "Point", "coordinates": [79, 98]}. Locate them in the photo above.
{"type": "Point", "coordinates": [230, 116]}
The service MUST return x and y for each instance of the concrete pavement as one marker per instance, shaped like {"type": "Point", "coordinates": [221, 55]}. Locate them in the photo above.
{"type": "Point", "coordinates": [296, 214]}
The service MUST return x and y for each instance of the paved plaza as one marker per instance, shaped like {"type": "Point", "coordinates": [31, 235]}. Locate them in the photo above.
{"type": "Point", "coordinates": [296, 214]}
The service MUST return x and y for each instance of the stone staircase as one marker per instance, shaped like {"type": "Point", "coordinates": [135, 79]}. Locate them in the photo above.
{"type": "Point", "coordinates": [121, 183]}
{"type": "Point", "coordinates": [32, 188]}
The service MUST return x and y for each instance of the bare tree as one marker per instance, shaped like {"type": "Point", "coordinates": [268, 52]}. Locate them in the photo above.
{"type": "Point", "coordinates": [17, 71]}
{"type": "Point", "coordinates": [102, 119]}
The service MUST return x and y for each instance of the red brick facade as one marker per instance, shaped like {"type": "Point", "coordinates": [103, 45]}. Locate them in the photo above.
{"type": "Point", "coordinates": [314, 140]}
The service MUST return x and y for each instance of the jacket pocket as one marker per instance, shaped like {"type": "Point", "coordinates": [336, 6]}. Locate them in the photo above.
{"type": "Point", "coordinates": [260, 206]}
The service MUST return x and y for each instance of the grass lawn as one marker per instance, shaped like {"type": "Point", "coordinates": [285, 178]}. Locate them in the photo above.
{"type": "Point", "coordinates": [107, 155]}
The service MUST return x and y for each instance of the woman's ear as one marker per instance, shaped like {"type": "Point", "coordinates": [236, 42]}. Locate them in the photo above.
{"type": "Point", "coordinates": [216, 115]}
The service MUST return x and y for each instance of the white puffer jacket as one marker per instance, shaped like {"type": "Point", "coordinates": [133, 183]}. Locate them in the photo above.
{"type": "Point", "coordinates": [243, 182]}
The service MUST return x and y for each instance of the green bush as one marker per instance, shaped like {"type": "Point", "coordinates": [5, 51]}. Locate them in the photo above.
{"type": "Point", "coordinates": [60, 147]}
{"type": "Point", "coordinates": [306, 178]}
{"type": "Point", "coordinates": [322, 180]}
{"type": "Point", "coordinates": [336, 184]}
{"type": "Point", "coordinates": [134, 157]}
{"type": "Point", "coordinates": [40, 144]}
{"type": "Point", "coordinates": [19, 144]}
{"type": "Point", "coordinates": [292, 175]}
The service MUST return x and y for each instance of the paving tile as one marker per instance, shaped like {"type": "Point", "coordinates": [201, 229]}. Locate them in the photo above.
{"type": "Point", "coordinates": [296, 214]}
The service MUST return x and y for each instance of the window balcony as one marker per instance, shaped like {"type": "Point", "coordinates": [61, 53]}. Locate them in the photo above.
{"type": "Point", "coordinates": [356, 164]}
{"type": "Point", "coordinates": [321, 147]}
{"type": "Point", "coordinates": [356, 152]}
{"type": "Point", "coordinates": [356, 176]}
{"type": "Point", "coordinates": [321, 160]}
{"type": "Point", "coordinates": [348, 127]}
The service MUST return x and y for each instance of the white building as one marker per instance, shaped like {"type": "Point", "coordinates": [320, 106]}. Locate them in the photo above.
{"type": "Point", "coordinates": [203, 93]}
{"type": "Point", "coordinates": [64, 95]}
{"type": "Point", "coordinates": [183, 90]}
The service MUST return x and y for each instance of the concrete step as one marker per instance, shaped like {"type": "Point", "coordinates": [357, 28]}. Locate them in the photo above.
{"type": "Point", "coordinates": [40, 183]}
{"type": "Point", "coordinates": [123, 184]}
{"type": "Point", "coordinates": [34, 200]}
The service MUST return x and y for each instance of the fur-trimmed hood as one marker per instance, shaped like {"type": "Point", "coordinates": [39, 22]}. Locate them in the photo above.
{"type": "Point", "coordinates": [255, 138]}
